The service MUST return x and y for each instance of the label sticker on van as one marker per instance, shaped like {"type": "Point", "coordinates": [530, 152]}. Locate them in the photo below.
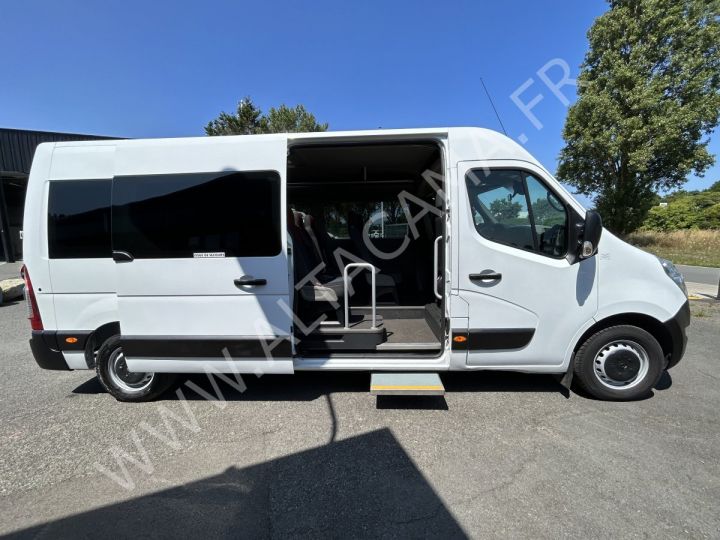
{"type": "Point", "coordinates": [209, 255]}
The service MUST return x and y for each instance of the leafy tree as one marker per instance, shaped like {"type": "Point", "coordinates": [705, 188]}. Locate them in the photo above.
{"type": "Point", "coordinates": [648, 96]}
{"type": "Point", "coordinates": [250, 120]}
{"type": "Point", "coordinates": [695, 210]}
{"type": "Point", "coordinates": [545, 214]}
{"type": "Point", "coordinates": [505, 209]}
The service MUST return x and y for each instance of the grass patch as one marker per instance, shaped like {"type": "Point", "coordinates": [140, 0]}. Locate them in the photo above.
{"type": "Point", "coordinates": [704, 310]}
{"type": "Point", "coordinates": [693, 247]}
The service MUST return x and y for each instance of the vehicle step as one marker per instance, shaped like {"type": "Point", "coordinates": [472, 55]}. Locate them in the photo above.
{"type": "Point", "coordinates": [406, 384]}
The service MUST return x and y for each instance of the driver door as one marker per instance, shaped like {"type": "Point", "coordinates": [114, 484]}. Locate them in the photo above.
{"type": "Point", "coordinates": [527, 298]}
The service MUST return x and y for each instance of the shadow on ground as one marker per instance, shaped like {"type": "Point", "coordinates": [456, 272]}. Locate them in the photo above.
{"type": "Point", "coordinates": [309, 386]}
{"type": "Point", "coordinates": [365, 486]}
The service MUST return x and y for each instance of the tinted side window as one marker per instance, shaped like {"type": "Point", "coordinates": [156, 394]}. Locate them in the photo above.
{"type": "Point", "coordinates": [79, 219]}
{"type": "Point", "coordinates": [188, 215]}
{"type": "Point", "coordinates": [499, 207]}
{"type": "Point", "coordinates": [550, 218]}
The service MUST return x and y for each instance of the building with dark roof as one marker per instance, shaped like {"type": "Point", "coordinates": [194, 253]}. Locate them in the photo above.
{"type": "Point", "coordinates": [17, 148]}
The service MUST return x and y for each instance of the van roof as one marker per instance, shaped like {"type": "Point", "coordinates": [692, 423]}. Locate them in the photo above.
{"type": "Point", "coordinates": [475, 137]}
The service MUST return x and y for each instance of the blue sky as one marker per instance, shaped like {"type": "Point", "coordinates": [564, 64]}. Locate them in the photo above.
{"type": "Point", "coordinates": [165, 68]}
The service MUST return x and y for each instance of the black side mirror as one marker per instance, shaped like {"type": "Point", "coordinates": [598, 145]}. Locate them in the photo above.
{"type": "Point", "coordinates": [591, 234]}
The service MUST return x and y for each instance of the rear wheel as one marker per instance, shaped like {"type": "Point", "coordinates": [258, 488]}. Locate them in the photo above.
{"type": "Point", "coordinates": [123, 385]}
{"type": "Point", "coordinates": [620, 363]}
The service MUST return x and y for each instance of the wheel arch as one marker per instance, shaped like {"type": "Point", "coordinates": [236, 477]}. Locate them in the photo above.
{"type": "Point", "coordinates": [648, 323]}
{"type": "Point", "coordinates": [97, 338]}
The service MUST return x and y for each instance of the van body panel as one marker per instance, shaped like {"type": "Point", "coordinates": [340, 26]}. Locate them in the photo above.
{"type": "Point", "coordinates": [85, 311]}
{"type": "Point", "coordinates": [633, 281]}
{"type": "Point", "coordinates": [201, 154]}
{"type": "Point", "coordinates": [83, 162]}
{"type": "Point", "coordinates": [204, 315]}
{"type": "Point", "coordinates": [35, 254]}
{"type": "Point", "coordinates": [541, 304]}
{"type": "Point", "coordinates": [75, 359]}
{"type": "Point", "coordinates": [98, 276]}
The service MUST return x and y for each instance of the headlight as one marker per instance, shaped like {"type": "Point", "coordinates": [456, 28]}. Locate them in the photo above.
{"type": "Point", "coordinates": [673, 274]}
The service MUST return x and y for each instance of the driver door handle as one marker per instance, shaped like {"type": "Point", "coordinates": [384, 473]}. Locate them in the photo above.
{"type": "Point", "coordinates": [486, 276]}
{"type": "Point", "coordinates": [249, 280]}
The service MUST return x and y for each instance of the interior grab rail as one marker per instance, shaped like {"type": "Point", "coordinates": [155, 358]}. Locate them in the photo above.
{"type": "Point", "coordinates": [435, 267]}
{"type": "Point", "coordinates": [345, 286]}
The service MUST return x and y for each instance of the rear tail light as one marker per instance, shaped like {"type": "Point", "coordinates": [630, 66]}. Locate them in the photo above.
{"type": "Point", "coordinates": [33, 311]}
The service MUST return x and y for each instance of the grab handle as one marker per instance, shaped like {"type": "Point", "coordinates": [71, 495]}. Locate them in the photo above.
{"type": "Point", "coordinates": [435, 267]}
{"type": "Point", "coordinates": [345, 286]}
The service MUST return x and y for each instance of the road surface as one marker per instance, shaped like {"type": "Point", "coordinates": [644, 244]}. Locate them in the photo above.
{"type": "Point", "coordinates": [314, 455]}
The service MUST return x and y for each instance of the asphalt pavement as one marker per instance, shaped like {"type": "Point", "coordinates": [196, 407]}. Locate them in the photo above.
{"type": "Point", "coordinates": [314, 455]}
{"type": "Point", "coordinates": [700, 274]}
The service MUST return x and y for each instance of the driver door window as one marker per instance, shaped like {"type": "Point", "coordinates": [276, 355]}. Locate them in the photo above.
{"type": "Point", "coordinates": [549, 218]}
{"type": "Point", "coordinates": [514, 208]}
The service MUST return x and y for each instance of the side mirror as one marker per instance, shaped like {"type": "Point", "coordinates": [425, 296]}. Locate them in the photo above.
{"type": "Point", "coordinates": [591, 234]}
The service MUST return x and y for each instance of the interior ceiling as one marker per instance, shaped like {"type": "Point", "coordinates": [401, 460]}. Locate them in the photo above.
{"type": "Point", "coordinates": [360, 163]}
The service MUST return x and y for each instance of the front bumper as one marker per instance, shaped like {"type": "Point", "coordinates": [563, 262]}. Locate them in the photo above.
{"type": "Point", "coordinates": [46, 351]}
{"type": "Point", "coordinates": [677, 329]}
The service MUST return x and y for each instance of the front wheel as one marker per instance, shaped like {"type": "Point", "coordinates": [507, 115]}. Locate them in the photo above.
{"type": "Point", "coordinates": [112, 371]}
{"type": "Point", "coordinates": [620, 363]}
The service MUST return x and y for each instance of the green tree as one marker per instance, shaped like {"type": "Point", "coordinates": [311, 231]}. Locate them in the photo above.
{"type": "Point", "coordinates": [248, 119]}
{"type": "Point", "coordinates": [505, 209]}
{"type": "Point", "coordinates": [545, 214]}
{"type": "Point", "coordinates": [648, 96]}
{"type": "Point", "coordinates": [693, 210]}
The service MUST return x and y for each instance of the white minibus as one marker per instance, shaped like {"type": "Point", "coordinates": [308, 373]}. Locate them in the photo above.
{"type": "Point", "coordinates": [411, 251]}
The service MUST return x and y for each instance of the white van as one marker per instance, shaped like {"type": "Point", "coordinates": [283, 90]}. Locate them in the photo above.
{"type": "Point", "coordinates": [419, 250]}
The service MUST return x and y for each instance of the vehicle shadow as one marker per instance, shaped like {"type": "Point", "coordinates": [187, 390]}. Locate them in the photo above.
{"type": "Point", "coordinates": [362, 487]}
{"type": "Point", "coordinates": [309, 386]}
{"type": "Point", "coordinates": [664, 383]}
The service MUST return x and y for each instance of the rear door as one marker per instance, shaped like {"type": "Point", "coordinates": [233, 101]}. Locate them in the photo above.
{"type": "Point", "coordinates": [199, 242]}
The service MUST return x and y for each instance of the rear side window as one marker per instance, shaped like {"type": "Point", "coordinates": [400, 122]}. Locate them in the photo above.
{"type": "Point", "coordinates": [197, 215]}
{"type": "Point", "coordinates": [79, 219]}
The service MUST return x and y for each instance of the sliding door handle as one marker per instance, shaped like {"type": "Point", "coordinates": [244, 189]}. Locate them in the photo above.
{"type": "Point", "coordinates": [249, 281]}
{"type": "Point", "coordinates": [122, 256]}
{"type": "Point", "coordinates": [486, 276]}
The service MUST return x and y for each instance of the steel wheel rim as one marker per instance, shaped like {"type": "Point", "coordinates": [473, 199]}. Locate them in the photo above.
{"type": "Point", "coordinates": [621, 364]}
{"type": "Point", "coordinates": [122, 378]}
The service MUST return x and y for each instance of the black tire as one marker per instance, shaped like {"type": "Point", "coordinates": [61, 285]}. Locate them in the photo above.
{"type": "Point", "coordinates": [123, 386]}
{"type": "Point", "coordinates": [620, 363]}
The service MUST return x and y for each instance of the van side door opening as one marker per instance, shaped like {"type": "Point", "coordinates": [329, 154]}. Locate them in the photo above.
{"type": "Point", "coordinates": [371, 206]}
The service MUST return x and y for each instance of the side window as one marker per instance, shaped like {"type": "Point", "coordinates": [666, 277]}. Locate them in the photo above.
{"type": "Point", "coordinates": [388, 218]}
{"type": "Point", "coordinates": [499, 207]}
{"type": "Point", "coordinates": [550, 218]}
{"type": "Point", "coordinates": [516, 209]}
{"type": "Point", "coordinates": [79, 219]}
{"type": "Point", "coordinates": [194, 215]}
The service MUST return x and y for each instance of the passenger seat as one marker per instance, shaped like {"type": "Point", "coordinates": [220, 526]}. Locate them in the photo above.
{"type": "Point", "coordinates": [321, 287]}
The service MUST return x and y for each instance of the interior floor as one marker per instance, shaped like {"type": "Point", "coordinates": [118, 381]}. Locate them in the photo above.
{"type": "Point", "coordinates": [409, 334]}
